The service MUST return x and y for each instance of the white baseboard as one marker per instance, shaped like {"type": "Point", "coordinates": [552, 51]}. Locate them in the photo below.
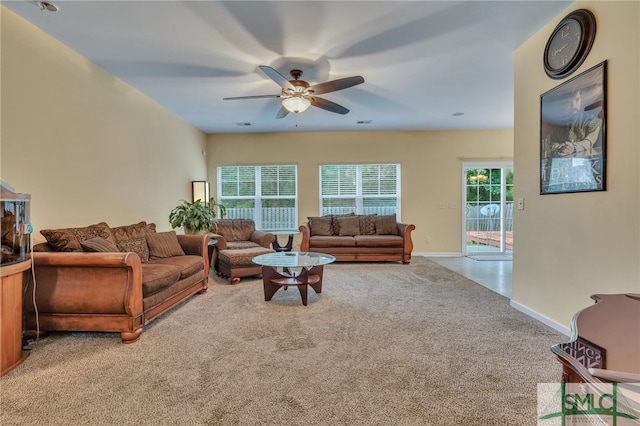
{"type": "Point", "coordinates": [437, 254]}
{"type": "Point", "coordinates": [543, 319]}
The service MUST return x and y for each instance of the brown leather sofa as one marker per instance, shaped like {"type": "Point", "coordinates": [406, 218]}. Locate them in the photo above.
{"type": "Point", "coordinates": [238, 242]}
{"type": "Point", "coordinates": [99, 283]}
{"type": "Point", "coordinates": [358, 237]}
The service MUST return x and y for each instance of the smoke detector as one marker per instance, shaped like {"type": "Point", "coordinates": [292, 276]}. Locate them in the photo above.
{"type": "Point", "coordinates": [45, 5]}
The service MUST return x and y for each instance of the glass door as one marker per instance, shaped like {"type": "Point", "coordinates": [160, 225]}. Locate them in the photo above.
{"type": "Point", "coordinates": [488, 217]}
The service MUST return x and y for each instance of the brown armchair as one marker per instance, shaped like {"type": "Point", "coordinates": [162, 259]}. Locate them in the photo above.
{"type": "Point", "coordinates": [238, 242]}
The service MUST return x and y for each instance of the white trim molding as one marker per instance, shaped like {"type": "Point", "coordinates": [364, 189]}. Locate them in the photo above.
{"type": "Point", "coordinates": [543, 319]}
{"type": "Point", "coordinates": [437, 254]}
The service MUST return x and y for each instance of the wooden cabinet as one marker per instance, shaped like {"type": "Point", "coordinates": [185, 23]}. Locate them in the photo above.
{"type": "Point", "coordinates": [11, 288]}
{"type": "Point", "coordinates": [606, 336]}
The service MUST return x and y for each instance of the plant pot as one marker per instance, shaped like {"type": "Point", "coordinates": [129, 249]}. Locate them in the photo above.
{"type": "Point", "coordinates": [189, 231]}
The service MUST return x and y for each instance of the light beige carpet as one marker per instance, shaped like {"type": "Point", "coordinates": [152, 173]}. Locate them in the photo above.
{"type": "Point", "coordinates": [384, 344]}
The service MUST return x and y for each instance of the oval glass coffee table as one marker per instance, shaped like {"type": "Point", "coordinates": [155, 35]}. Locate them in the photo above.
{"type": "Point", "coordinates": [292, 269]}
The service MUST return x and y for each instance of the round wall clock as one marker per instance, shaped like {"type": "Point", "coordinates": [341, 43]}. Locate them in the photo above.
{"type": "Point", "coordinates": [569, 43]}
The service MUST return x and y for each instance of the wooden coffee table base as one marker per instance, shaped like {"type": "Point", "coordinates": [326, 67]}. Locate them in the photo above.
{"type": "Point", "coordinates": [273, 280]}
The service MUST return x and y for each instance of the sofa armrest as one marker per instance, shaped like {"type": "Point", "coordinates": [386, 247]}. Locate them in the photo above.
{"type": "Point", "coordinates": [306, 235]}
{"type": "Point", "coordinates": [194, 244]}
{"type": "Point", "coordinates": [43, 247]}
{"type": "Point", "coordinates": [221, 243]}
{"type": "Point", "coordinates": [262, 238]}
{"type": "Point", "coordinates": [197, 245]}
{"type": "Point", "coordinates": [404, 230]}
{"type": "Point", "coordinates": [78, 283]}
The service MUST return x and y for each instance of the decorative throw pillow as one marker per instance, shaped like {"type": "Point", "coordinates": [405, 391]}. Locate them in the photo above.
{"type": "Point", "coordinates": [386, 225]}
{"type": "Point", "coordinates": [61, 239]}
{"type": "Point", "coordinates": [68, 239]}
{"type": "Point", "coordinates": [348, 225]}
{"type": "Point", "coordinates": [320, 225]}
{"type": "Point", "coordinates": [132, 238]}
{"type": "Point", "coordinates": [163, 244]}
{"type": "Point", "coordinates": [130, 231]}
{"type": "Point", "coordinates": [99, 244]}
{"type": "Point", "coordinates": [367, 224]}
{"type": "Point", "coordinates": [335, 227]}
{"type": "Point", "coordinates": [137, 245]}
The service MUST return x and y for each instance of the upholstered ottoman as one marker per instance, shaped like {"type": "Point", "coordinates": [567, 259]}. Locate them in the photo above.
{"type": "Point", "coordinates": [234, 264]}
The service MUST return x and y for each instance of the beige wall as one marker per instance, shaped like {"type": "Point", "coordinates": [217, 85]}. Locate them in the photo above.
{"type": "Point", "coordinates": [430, 161]}
{"type": "Point", "coordinates": [570, 246]}
{"type": "Point", "coordinates": [85, 145]}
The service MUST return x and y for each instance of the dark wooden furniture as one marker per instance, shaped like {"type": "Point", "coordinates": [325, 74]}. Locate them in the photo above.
{"type": "Point", "coordinates": [211, 247]}
{"type": "Point", "coordinates": [289, 244]}
{"type": "Point", "coordinates": [605, 336]}
{"type": "Point", "coordinates": [273, 281]}
{"type": "Point", "coordinates": [279, 271]}
{"type": "Point", "coordinates": [11, 279]}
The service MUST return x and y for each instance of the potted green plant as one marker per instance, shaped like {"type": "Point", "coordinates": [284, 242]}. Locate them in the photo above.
{"type": "Point", "coordinates": [217, 208]}
{"type": "Point", "coordinates": [196, 217]}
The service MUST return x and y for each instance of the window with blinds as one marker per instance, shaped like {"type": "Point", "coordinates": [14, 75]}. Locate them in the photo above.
{"type": "Point", "coordinates": [360, 188]}
{"type": "Point", "coordinates": [266, 194]}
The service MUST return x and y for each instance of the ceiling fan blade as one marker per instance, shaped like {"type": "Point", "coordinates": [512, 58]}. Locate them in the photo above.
{"type": "Point", "coordinates": [277, 77]}
{"type": "Point", "coordinates": [251, 97]}
{"type": "Point", "coordinates": [282, 113]}
{"type": "Point", "coordinates": [333, 85]}
{"type": "Point", "coordinates": [328, 105]}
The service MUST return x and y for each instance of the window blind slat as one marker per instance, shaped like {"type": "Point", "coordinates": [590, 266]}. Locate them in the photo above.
{"type": "Point", "coordinates": [362, 188]}
{"type": "Point", "coordinates": [266, 194]}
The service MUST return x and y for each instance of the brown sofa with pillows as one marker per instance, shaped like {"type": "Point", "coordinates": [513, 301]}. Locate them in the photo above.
{"type": "Point", "coordinates": [358, 237]}
{"type": "Point", "coordinates": [100, 278]}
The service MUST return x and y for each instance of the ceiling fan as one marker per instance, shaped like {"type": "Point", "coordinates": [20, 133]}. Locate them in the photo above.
{"type": "Point", "coordinates": [297, 95]}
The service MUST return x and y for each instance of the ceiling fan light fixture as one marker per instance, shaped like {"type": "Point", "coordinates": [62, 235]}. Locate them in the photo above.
{"type": "Point", "coordinates": [296, 104]}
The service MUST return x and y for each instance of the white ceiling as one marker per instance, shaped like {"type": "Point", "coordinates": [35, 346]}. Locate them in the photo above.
{"type": "Point", "coordinates": [422, 61]}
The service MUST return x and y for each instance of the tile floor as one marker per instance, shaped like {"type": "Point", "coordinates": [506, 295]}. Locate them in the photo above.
{"type": "Point", "coordinates": [493, 274]}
